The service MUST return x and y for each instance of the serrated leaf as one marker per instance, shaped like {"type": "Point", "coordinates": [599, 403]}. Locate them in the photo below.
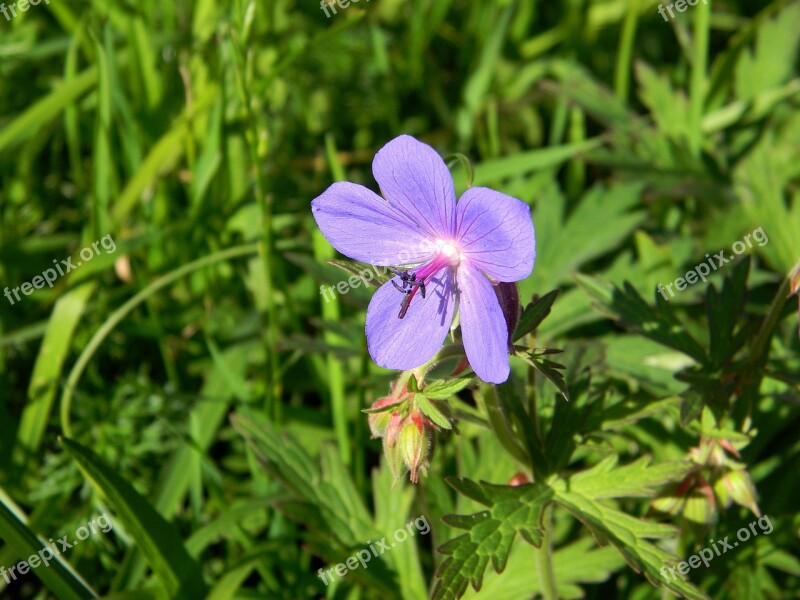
{"type": "Point", "coordinates": [670, 109]}
{"type": "Point", "coordinates": [550, 369]}
{"type": "Point", "coordinates": [430, 410]}
{"type": "Point", "coordinates": [639, 479]}
{"type": "Point", "coordinates": [579, 563]}
{"type": "Point", "coordinates": [444, 389]}
{"type": "Point", "coordinates": [513, 510]}
{"type": "Point", "coordinates": [387, 408]}
{"type": "Point", "coordinates": [583, 495]}
{"type": "Point", "coordinates": [723, 310]}
{"type": "Point", "coordinates": [657, 323]}
{"type": "Point", "coordinates": [490, 533]}
{"type": "Point", "coordinates": [629, 536]}
{"type": "Point", "coordinates": [772, 61]}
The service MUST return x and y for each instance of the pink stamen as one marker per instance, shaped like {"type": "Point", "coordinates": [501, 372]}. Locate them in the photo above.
{"type": "Point", "coordinates": [423, 274]}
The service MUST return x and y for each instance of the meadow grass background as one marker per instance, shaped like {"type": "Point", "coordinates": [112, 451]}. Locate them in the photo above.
{"type": "Point", "coordinates": [195, 134]}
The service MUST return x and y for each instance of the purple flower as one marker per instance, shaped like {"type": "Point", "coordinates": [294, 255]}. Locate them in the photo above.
{"type": "Point", "coordinates": [459, 250]}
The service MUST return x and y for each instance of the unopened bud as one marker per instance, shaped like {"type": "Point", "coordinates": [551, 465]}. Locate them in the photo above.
{"type": "Point", "coordinates": [378, 422]}
{"type": "Point", "coordinates": [415, 444]}
{"type": "Point", "coordinates": [742, 490]}
{"type": "Point", "coordinates": [394, 458]}
{"type": "Point", "coordinates": [393, 429]}
{"type": "Point", "coordinates": [508, 297]}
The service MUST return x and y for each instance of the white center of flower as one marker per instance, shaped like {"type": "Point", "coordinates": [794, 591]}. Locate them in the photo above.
{"type": "Point", "coordinates": [449, 249]}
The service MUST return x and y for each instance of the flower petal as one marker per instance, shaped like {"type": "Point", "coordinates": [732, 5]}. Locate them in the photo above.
{"type": "Point", "coordinates": [417, 183]}
{"type": "Point", "coordinates": [362, 225]}
{"type": "Point", "coordinates": [413, 340]}
{"type": "Point", "coordinates": [483, 326]}
{"type": "Point", "coordinates": [495, 233]}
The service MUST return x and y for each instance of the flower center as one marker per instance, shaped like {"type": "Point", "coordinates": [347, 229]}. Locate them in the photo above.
{"type": "Point", "coordinates": [449, 249]}
{"type": "Point", "coordinates": [448, 254]}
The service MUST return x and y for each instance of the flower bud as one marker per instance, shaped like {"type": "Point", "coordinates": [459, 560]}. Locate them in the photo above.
{"type": "Point", "coordinates": [508, 297]}
{"type": "Point", "coordinates": [415, 444]}
{"type": "Point", "coordinates": [393, 428]}
{"type": "Point", "coordinates": [394, 459]}
{"type": "Point", "coordinates": [741, 488]}
{"type": "Point", "coordinates": [378, 422]}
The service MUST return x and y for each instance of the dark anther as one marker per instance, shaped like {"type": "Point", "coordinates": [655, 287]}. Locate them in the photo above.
{"type": "Point", "coordinates": [409, 285]}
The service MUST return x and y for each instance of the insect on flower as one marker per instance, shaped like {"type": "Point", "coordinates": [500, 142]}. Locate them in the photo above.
{"type": "Point", "coordinates": [446, 256]}
{"type": "Point", "coordinates": [410, 284]}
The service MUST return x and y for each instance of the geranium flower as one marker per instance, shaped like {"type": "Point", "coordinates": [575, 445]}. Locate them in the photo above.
{"type": "Point", "coordinates": [458, 251]}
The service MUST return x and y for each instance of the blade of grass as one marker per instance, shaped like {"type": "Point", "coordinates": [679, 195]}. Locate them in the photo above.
{"type": "Point", "coordinates": [323, 251]}
{"type": "Point", "coordinates": [59, 577]}
{"type": "Point", "coordinates": [697, 89]}
{"type": "Point", "coordinates": [160, 543]}
{"type": "Point", "coordinates": [47, 370]}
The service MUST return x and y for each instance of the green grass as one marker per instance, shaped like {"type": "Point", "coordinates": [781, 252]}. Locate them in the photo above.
{"type": "Point", "coordinates": [194, 384]}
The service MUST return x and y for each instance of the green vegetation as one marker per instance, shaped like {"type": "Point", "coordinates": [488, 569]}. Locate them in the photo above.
{"type": "Point", "coordinates": [194, 384]}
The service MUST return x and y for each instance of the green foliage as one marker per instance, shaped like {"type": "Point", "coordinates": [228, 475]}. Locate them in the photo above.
{"type": "Point", "coordinates": [214, 399]}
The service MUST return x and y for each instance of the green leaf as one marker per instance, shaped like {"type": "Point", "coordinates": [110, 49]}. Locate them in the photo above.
{"type": "Point", "coordinates": [629, 536]}
{"type": "Point", "coordinates": [377, 275]}
{"type": "Point", "coordinates": [490, 533]}
{"type": "Point", "coordinates": [430, 410]}
{"type": "Point", "coordinates": [512, 510]}
{"type": "Point", "coordinates": [548, 368]}
{"type": "Point", "coordinates": [639, 479]}
{"type": "Point", "coordinates": [658, 324]}
{"type": "Point", "coordinates": [60, 578]}
{"type": "Point", "coordinates": [38, 115]}
{"type": "Point", "coordinates": [772, 61]}
{"type": "Point", "coordinates": [393, 506]}
{"type": "Point", "coordinates": [534, 314]}
{"type": "Point", "coordinates": [583, 495]}
{"type": "Point", "coordinates": [47, 370]}
{"type": "Point", "coordinates": [387, 408]}
{"type": "Point", "coordinates": [161, 545]}
{"type": "Point", "coordinates": [327, 498]}
{"type": "Point", "coordinates": [577, 564]}
{"type": "Point", "coordinates": [514, 165]}
{"type": "Point", "coordinates": [670, 109]}
{"type": "Point", "coordinates": [443, 389]}
{"type": "Point", "coordinates": [723, 312]}
{"type": "Point", "coordinates": [555, 223]}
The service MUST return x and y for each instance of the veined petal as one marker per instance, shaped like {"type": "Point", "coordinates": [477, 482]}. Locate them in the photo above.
{"type": "Point", "coordinates": [362, 225]}
{"type": "Point", "coordinates": [483, 326]}
{"type": "Point", "coordinates": [495, 234]}
{"type": "Point", "coordinates": [413, 340]}
{"type": "Point", "coordinates": [417, 183]}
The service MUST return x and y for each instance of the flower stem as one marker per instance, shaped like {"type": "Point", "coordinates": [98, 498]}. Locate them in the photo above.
{"type": "Point", "coordinates": [547, 575]}
{"type": "Point", "coordinates": [760, 344]}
